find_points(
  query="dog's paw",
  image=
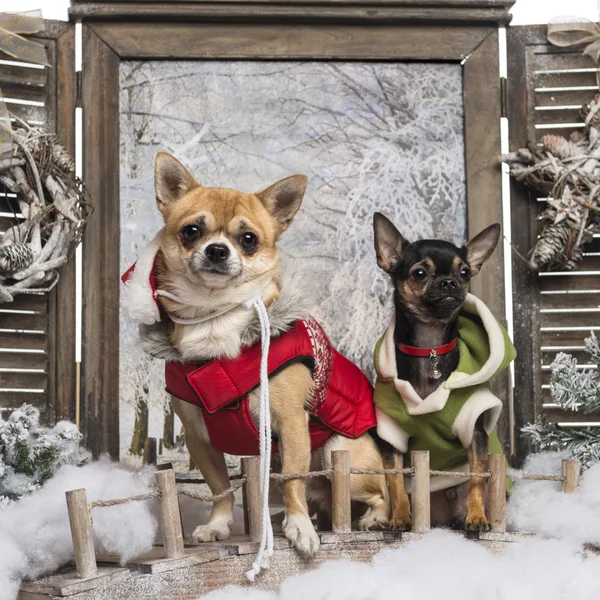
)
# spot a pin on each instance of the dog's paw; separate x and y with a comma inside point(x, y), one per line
point(400, 523)
point(477, 522)
point(373, 522)
point(299, 530)
point(215, 530)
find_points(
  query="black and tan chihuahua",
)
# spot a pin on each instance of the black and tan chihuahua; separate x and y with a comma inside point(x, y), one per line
point(433, 366)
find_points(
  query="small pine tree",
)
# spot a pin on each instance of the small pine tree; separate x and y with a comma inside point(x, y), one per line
point(577, 391)
point(30, 454)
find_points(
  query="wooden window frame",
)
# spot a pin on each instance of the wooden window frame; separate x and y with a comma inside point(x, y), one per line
point(458, 31)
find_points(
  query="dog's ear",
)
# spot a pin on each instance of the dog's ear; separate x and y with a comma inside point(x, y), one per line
point(388, 242)
point(283, 199)
point(481, 247)
point(171, 181)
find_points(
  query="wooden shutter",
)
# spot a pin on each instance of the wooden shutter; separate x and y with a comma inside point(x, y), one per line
point(37, 331)
point(553, 311)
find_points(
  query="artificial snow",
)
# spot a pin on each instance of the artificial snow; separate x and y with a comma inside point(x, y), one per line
point(35, 537)
point(541, 506)
point(443, 565)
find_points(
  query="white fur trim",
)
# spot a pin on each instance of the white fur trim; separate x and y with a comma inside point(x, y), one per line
point(418, 406)
point(440, 482)
point(389, 431)
point(475, 306)
point(137, 296)
point(481, 402)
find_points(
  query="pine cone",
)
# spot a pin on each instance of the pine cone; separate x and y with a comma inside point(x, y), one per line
point(15, 257)
point(560, 146)
point(61, 158)
point(551, 245)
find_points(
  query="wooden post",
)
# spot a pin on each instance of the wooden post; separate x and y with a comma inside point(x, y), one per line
point(149, 457)
point(81, 532)
point(421, 500)
point(340, 492)
point(497, 492)
point(170, 518)
point(251, 467)
point(571, 471)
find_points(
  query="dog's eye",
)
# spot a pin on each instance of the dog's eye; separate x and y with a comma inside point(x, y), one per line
point(248, 241)
point(465, 273)
point(419, 274)
point(190, 233)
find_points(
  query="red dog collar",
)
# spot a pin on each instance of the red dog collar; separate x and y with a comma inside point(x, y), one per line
point(435, 351)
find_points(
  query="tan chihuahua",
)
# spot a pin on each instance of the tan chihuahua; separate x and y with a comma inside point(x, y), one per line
point(219, 248)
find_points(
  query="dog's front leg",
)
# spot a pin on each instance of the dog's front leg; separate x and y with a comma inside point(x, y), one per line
point(213, 467)
point(401, 519)
point(478, 462)
point(289, 391)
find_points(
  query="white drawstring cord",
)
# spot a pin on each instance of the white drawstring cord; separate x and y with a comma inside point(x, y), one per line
point(265, 550)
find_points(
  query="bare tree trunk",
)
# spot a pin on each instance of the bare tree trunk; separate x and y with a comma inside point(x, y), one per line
point(140, 428)
point(168, 428)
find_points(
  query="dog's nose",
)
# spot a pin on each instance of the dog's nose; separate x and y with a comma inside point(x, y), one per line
point(447, 284)
point(217, 253)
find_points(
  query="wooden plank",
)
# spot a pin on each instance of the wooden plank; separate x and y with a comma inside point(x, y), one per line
point(484, 181)
point(570, 78)
point(573, 281)
point(22, 91)
point(551, 58)
point(67, 584)
point(525, 282)
point(570, 318)
point(567, 338)
point(245, 41)
point(10, 360)
point(35, 302)
point(557, 116)
point(17, 341)
point(191, 558)
point(447, 3)
point(558, 415)
point(100, 287)
point(35, 322)
point(22, 75)
point(565, 96)
point(583, 299)
point(202, 12)
point(17, 381)
point(62, 300)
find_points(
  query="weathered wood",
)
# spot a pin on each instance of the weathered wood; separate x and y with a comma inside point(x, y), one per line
point(497, 493)
point(150, 454)
point(62, 300)
point(448, 3)
point(81, 532)
point(420, 492)
point(67, 584)
point(341, 517)
point(251, 468)
point(100, 286)
point(482, 102)
point(525, 283)
point(571, 471)
point(287, 12)
point(261, 41)
point(170, 518)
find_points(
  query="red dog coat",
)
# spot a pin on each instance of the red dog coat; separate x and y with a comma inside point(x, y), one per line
point(342, 397)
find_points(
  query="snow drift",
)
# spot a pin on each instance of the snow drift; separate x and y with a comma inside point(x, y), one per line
point(34, 532)
point(35, 539)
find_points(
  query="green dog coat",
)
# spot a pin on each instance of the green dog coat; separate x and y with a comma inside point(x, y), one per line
point(444, 421)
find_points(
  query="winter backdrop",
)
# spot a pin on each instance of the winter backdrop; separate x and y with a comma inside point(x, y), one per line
point(369, 136)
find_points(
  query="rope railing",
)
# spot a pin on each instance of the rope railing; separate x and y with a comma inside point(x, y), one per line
point(340, 474)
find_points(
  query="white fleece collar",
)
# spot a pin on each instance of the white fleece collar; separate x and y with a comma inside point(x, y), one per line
point(438, 398)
